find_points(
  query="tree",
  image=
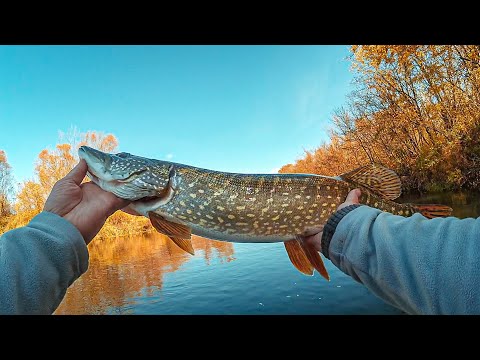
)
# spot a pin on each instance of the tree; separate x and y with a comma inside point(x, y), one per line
point(415, 109)
point(334, 158)
point(51, 166)
point(6, 186)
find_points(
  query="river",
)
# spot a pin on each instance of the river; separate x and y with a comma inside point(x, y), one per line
point(150, 275)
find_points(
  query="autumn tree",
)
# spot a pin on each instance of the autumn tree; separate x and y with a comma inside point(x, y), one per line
point(52, 165)
point(334, 158)
point(416, 109)
point(6, 186)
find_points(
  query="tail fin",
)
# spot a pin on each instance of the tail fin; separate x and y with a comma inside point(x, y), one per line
point(432, 210)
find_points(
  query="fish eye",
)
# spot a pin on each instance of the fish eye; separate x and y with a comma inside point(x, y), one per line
point(123, 155)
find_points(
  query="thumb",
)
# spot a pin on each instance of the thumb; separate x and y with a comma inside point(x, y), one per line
point(77, 174)
point(353, 196)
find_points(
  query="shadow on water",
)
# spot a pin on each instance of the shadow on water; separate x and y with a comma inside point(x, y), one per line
point(151, 275)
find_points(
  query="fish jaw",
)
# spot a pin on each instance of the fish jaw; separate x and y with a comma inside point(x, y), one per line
point(97, 162)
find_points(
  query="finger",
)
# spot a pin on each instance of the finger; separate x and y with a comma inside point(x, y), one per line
point(104, 199)
point(353, 196)
point(77, 174)
point(315, 240)
point(313, 230)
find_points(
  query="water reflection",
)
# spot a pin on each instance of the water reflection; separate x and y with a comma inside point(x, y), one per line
point(151, 275)
point(464, 204)
point(121, 269)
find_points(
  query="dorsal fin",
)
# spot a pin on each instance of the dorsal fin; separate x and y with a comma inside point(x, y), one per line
point(377, 178)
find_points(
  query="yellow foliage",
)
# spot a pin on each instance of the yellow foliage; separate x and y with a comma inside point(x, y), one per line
point(416, 110)
point(51, 166)
point(6, 188)
point(335, 158)
point(3, 157)
point(121, 224)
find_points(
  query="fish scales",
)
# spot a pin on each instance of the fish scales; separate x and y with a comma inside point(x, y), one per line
point(262, 205)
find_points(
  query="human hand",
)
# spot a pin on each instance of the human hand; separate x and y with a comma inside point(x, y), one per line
point(129, 210)
point(85, 205)
point(352, 198)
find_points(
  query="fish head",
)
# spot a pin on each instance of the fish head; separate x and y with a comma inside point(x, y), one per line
point(125, 175)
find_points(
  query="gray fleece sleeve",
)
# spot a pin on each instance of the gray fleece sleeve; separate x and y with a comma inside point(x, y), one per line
point(418, 265)
point(38, 262)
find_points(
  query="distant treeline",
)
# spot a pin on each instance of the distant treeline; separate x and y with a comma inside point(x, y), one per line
point(415, 109)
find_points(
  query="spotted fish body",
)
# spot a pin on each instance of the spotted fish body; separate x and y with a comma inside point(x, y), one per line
point(261, 208)
point(181, 200)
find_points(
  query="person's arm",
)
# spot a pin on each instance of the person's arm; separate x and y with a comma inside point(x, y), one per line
point(38, 262)
point(420, 265)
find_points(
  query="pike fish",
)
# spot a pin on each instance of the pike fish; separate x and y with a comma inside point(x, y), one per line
point(181, 200)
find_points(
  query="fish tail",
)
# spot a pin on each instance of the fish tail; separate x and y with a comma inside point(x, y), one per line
point(432, 210)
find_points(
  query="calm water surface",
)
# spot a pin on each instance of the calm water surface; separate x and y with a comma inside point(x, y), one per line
point(150, 275)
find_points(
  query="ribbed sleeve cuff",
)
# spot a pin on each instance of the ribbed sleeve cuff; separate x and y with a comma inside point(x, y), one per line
point(331, 225)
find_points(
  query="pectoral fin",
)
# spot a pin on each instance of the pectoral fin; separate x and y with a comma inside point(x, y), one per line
point(168, 227)
point(178, 233)
point(184, 244)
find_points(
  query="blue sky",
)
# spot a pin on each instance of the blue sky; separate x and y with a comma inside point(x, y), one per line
point(230, 108)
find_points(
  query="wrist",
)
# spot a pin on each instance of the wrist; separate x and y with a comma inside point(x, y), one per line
point(73, 219)
point(331, 226)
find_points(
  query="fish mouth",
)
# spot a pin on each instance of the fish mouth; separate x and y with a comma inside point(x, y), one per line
point(96, 161)
point(98, 166)
point(98, 171)
point(89, 153)
point(93, 177)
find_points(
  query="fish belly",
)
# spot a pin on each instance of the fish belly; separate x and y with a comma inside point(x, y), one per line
point(237, 236)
